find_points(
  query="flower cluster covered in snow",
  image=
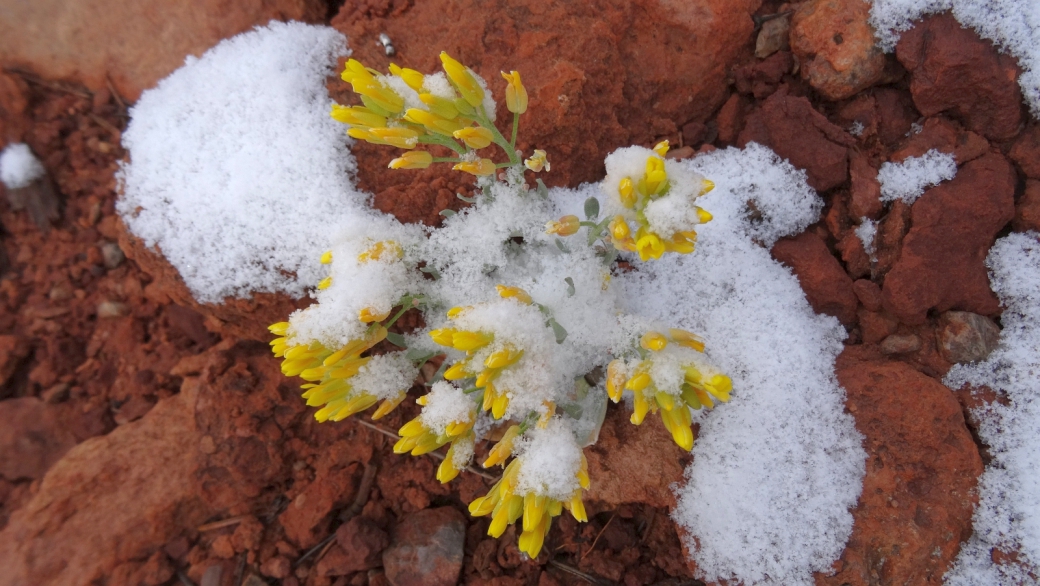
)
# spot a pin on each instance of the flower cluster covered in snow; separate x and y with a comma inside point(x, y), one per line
point(19, 167)
point(537, 326)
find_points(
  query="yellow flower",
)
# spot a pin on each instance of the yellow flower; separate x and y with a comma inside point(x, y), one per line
point(654, 181)
point(357, 116)
point(661, 148)
point(480, 167)
point(326, 257)
point(447, 471)
point(648, 245)
point(537, 161)
point(387, 249)
point(516, 93)
point(412, 160)
point(464, 80)
point(504, 448)
point(432, 122)
point(566, 226)
point(627, 192)
point(402, 138)
point(442, 107)
point(369, 315)
point(419, 439)
point(475, 137)
point(373, 93)
point(688, 339)
point(517, 293)
point(413, 78)
point(653, 341)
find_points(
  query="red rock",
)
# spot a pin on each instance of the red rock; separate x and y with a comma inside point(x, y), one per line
point(868, 293)
point(620, 73)
point(791, 127)
point(896, 114)
point(889, 239)
point(1027, 212)
point(135, 44)
point(359, 547)
point(763, 77)
point(857, 263)
point(966, 337)
point(111, 499)
point(900, 344)
point(13, 350)
point(876, 325)
point(1026, 152)
point(730, 119)
point(827, 288)
point(953, 70)
point(634, 464)
point(865, 194)
point(836, 48)
point(921, 473)
point(836, 216)
point(773, 36)
point(277, 567)
point(941, 134)
point(306, 519)
point(861, 112)
point(426, 548)
point(941, 265)
point(32, 438)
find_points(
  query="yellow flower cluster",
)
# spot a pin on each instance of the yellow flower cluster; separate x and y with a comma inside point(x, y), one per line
point(506, 506)
point(418, 438)
point(635, 194)
point(697, 389)
point(459, 122)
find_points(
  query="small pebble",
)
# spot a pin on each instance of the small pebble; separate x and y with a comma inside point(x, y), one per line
point(107, 309)
point(112, 255)
point(900, 344)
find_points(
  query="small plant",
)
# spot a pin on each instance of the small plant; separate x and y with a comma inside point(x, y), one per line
point(522, 313)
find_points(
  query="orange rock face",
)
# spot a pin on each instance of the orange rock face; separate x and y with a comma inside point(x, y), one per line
point(922, 468)
point(835, 44)
point(134, 43)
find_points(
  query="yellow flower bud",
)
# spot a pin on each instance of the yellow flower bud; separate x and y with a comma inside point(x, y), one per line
point(661, 148)
point(703, 215)
point(357, 116)
point(479, 168)
point(402, 138)
point(707, 186)
point(504, 448)
point(566, 226)
point(432, 122)
point(627, 192)
point(369, 315)
point(377, 251)
point(464, 80)
point(653, 341)
point(505, 292)
point(688, 339)
point(413, 78)
point(619, 228)
point(537, 161)
point(442, 107)
point(412, 160)
point(325, 283)
point(516, 93)
point(649, 245)
point(326, 257)
point(475, 137)
point(380, 95)
point(354, 69)
point(654, 181)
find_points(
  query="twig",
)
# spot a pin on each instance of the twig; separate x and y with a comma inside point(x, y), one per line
point(364, 488)
point(29, 77)
point(116, 133)
point(649, 526)
point(241, 569)
point(116, 96)
point(221, 524)
point(437, 455)
point(576, 572)
point(598, 535)
point(315, 549)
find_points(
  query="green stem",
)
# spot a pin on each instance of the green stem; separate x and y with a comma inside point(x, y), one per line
point(516, 126)
point(497, 137)
point(443, 141)
point(446, 160)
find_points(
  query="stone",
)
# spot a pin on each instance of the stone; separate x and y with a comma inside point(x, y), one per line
point(797, 132)
point(942, 262)
point(112, 255)
point(634, 464)
point(953, 70)
point(922, 470)
point(730, 119)
point(306, 518)
point(112, 309)
point(110, 499)
point(966, 337)
point(875, 326)
point(32, 438)
point(888, 241)
point(835, 45)
point(827, 287)
point(1027, 212)
point(868, 293)
point(135, 44)
point(426, 548)
point(1026, 152)
point(865, 192)
point(773, 36)
point(620, 73)
point(857, 262)
point(359, 547)
point(13, 351)
point(940, 134)
point(763, 78)
point(896, 114)
point(900, 344)
point(277, 567)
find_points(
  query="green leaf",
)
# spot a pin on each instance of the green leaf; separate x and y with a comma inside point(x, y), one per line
point(570, 286)
point(572, 410)
point(447, 213)
point(418, 356)
point(581, 387)
point(562, 246)
point(396, 340)
point(558, 330)
point(591, 208)
point(432, 272)
point(439, 375)
point(543, 191)
point(466, 199)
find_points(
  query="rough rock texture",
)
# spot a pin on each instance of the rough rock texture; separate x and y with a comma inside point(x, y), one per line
point(922, 469)
point(953, 70)
point(762, 78)
point(865, 194)
point(791, 127)
point(13, 350)
point(942, 264)
point(868, 293)
point(876, 325)
point(939, 133)
point(1027, 212)
point(359, 547)
point(426, 549)
point(1026, 152)
point(966, 337)
point(110, 499)
point(835, 45)
point(135, 44)
point(773, 36)
point(599, 75)
point(827, 288)
point(32, 438)
point(730, 119)
point(240, 318)
point(900, 344)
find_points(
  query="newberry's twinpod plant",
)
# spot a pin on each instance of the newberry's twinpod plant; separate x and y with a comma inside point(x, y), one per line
point(516, 295)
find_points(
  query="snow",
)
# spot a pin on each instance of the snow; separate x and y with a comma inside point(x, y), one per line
point(776, 470)
point(867, 232)
point(1008, 515)
point(19, 167)
point(237, 173)
point(907, 180)
point(1013, 25)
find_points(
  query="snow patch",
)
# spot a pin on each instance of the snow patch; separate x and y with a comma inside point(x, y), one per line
point(19, 167)
point(908, 180)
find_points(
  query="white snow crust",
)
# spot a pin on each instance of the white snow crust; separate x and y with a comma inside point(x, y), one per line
point(1008, 515)
point(19, 167)
point(908, 180)
point(237, 173)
